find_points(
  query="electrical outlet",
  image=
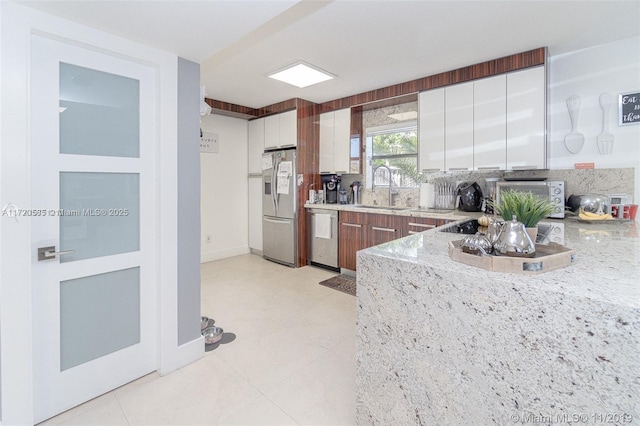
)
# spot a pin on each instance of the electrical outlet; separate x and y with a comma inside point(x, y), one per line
point(208, 239)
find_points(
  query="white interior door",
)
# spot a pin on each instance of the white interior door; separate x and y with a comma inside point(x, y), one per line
point(93, 192)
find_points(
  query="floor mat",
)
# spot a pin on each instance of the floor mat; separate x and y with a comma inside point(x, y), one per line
point(343, 283)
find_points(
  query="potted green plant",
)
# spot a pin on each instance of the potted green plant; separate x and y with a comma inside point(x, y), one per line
point(527, 208)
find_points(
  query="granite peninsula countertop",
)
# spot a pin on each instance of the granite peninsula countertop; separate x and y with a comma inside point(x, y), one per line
point(607, 266)
point(441, 342)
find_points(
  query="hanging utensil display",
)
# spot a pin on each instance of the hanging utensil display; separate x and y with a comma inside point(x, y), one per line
point(605, 139)
point(574, 140)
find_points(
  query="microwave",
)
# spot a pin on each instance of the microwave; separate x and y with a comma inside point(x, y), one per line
point(550, 189)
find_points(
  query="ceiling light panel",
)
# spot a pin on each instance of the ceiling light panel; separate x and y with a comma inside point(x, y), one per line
point(302, 75)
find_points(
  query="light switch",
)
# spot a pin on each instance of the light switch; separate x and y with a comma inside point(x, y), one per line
point(210, 142)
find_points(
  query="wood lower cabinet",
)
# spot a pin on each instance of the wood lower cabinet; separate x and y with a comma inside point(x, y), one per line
point(415, 225)
point(382, 228)
point(358, 231)
point(350, 238)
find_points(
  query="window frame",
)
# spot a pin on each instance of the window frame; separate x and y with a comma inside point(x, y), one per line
point(398, 127)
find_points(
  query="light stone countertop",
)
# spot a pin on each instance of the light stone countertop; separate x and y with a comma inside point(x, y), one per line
point(441, 342)
point(608, 253)
point(396, 211)
point(607, 266)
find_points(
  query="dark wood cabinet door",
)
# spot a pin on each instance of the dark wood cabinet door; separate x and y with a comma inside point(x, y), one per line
point(382, 229)
point(414, 225)
point(350, 240)
point(362, 230)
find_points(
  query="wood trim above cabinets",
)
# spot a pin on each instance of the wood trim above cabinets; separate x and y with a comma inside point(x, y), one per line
point(509, 63)
point(502, 65)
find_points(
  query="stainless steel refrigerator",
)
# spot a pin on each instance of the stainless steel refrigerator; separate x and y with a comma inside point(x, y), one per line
point(279, 199)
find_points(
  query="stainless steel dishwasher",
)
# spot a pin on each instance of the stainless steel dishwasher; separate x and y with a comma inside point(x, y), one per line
point(323, 235)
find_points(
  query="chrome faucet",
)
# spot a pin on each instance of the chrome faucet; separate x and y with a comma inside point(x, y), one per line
point(373, 183)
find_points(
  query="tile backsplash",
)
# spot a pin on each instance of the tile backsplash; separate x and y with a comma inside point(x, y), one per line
point(601, 181)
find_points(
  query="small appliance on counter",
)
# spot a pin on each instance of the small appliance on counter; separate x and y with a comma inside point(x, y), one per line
point(355, 192)
point(469, 197)
point(552, 190)
point(342, 196)
point(490, 194)
point(331, 186)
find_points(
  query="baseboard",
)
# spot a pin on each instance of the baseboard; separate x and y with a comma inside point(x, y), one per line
point(182, 356)
point(223, 254)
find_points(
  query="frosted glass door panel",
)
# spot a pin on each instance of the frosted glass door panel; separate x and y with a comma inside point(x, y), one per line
point(100, 214)
point(99, 113)
point(99, 314)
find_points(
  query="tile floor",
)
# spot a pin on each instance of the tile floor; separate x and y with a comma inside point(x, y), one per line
point(292, 362)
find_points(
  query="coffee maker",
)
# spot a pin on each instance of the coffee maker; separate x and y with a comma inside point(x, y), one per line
point(331, 186)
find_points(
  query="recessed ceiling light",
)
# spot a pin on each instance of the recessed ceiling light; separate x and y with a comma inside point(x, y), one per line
point(301, 75)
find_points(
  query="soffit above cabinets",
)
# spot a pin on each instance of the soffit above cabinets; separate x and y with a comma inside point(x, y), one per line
point(239, 43)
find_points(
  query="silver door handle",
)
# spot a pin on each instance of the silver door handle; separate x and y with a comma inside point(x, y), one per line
point(376, 228)
point(47, 253)
point(523, 167)
point(277, 220)
point(421, 225)
point(353, 225)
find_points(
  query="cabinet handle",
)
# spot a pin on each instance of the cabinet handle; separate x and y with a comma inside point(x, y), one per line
point(430, 170)
point(421, 225)
point(523, 167)
point(353, 225)
point(489, 168)
point(341, 172)
point(325, 173)
point(458, 168)
point(375, 228)
point(413, 232)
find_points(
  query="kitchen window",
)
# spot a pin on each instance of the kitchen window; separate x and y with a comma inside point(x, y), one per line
point(396, 147)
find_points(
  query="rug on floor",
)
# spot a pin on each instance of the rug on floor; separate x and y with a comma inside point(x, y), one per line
point(342, 282)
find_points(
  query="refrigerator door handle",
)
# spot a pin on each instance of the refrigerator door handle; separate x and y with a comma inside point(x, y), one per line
point(268, 219)
point(274, 191)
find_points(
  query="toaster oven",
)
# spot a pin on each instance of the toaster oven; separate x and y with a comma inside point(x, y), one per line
point(553, 190)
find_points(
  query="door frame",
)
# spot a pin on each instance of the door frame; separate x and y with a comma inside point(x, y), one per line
point(17, 24)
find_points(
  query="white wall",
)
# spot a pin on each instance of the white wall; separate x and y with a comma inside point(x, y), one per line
point(18, 23)
point(224, 206)
point(612, 67)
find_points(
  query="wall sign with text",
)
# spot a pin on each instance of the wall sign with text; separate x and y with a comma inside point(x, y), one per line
point(210, 142)
point(629, 106)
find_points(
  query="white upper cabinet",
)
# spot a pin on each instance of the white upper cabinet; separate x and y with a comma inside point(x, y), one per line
point(335, 136)
point(490, 123)
point(272, 131)
point(281, 130)
point(526, 144)
point(289, 128)
point(256, 145)
point(495, 123)
point(431, 130)
point(342, 140)
point(459, 127)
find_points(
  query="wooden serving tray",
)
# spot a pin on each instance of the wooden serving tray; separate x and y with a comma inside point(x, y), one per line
point(547, 258)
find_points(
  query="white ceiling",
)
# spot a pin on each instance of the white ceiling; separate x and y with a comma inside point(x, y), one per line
point(367, 44)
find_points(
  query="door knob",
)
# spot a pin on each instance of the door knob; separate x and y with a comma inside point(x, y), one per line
point(47, 253)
